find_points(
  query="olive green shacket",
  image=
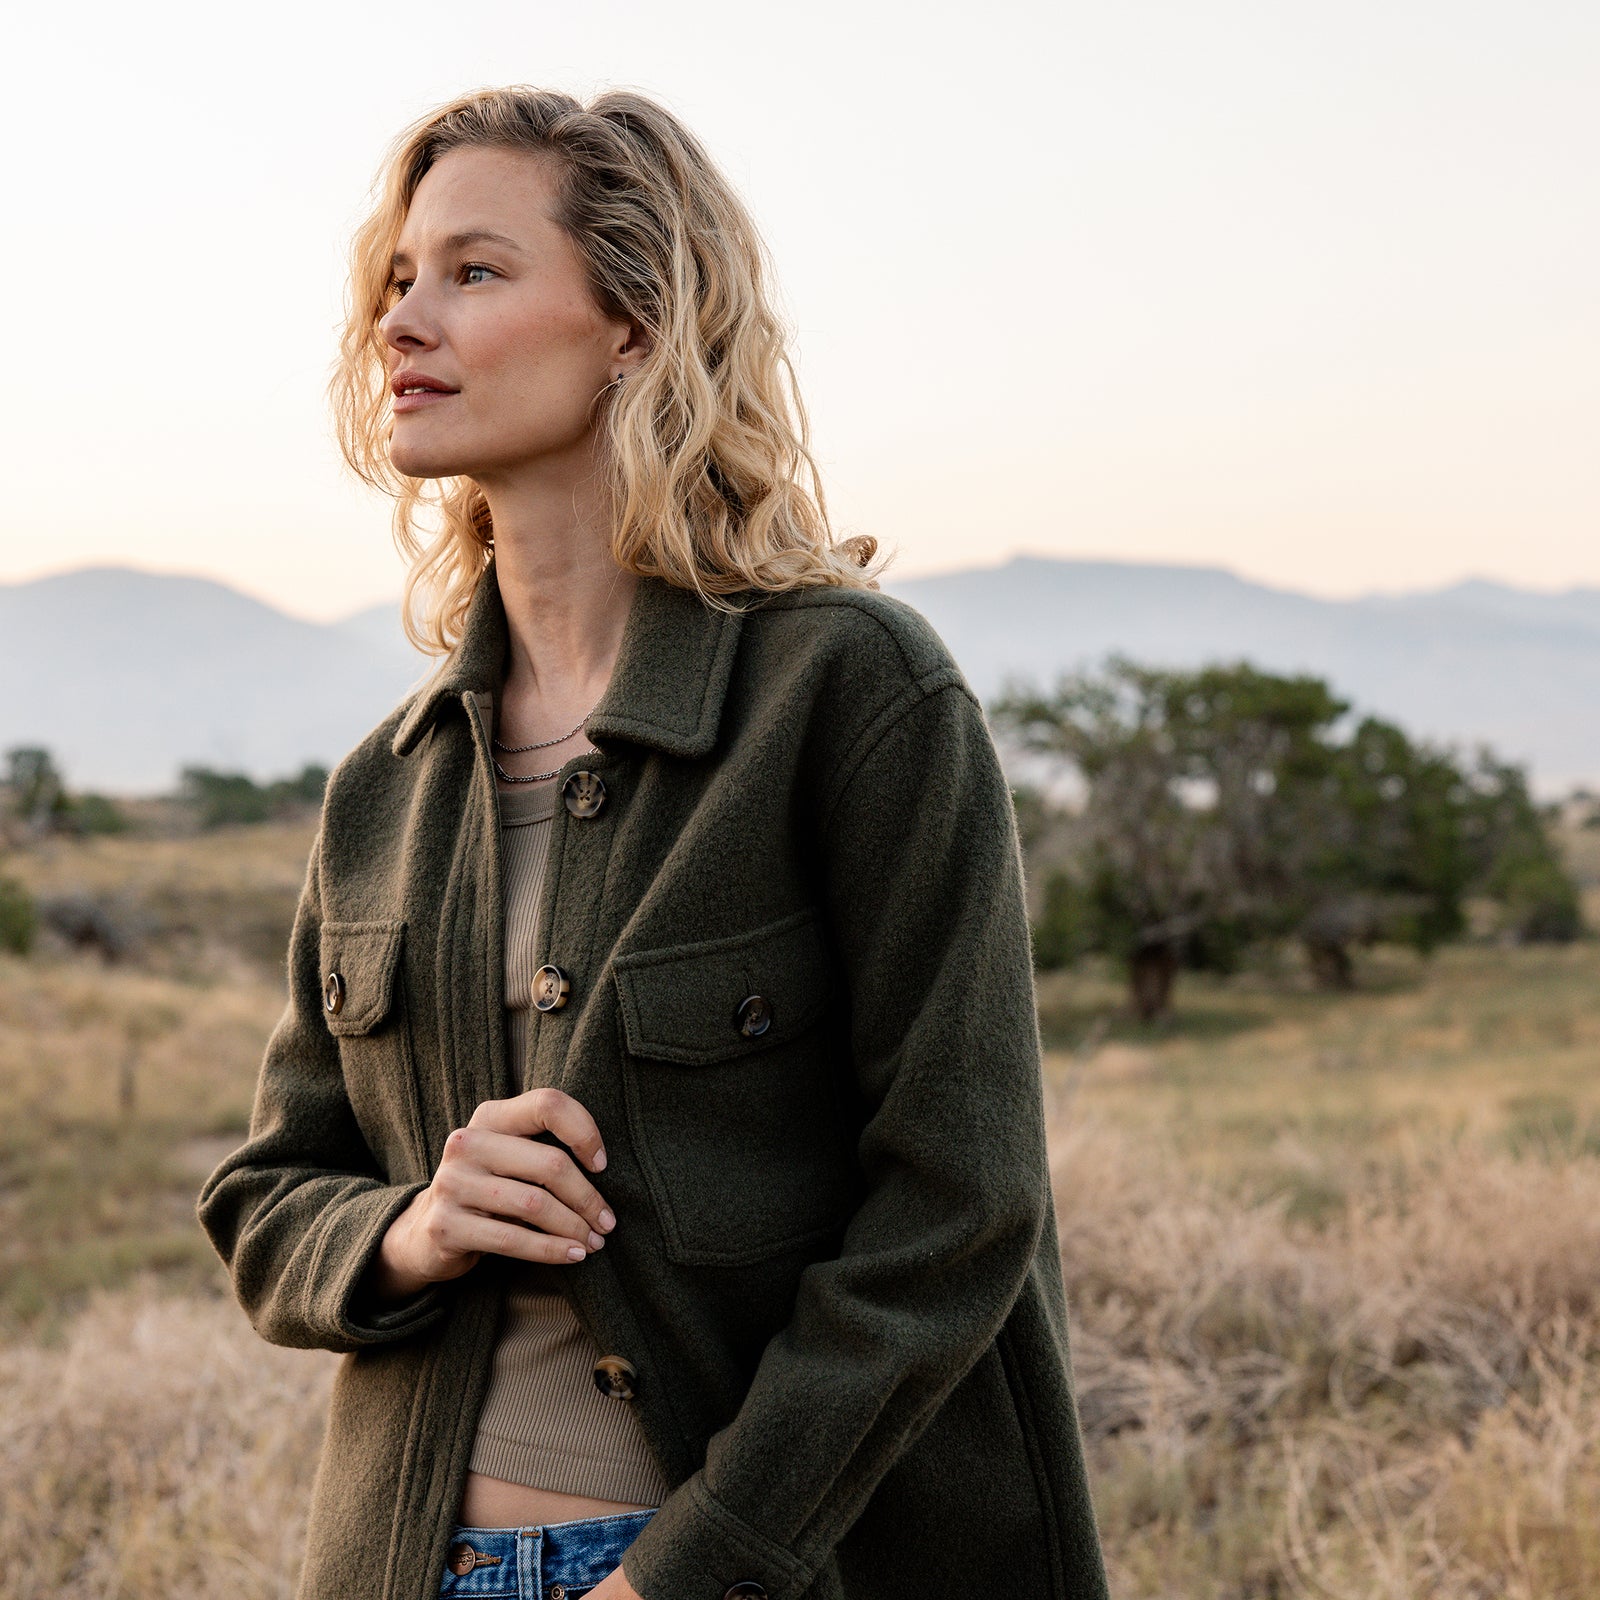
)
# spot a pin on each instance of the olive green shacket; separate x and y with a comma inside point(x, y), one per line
point(835, 1275)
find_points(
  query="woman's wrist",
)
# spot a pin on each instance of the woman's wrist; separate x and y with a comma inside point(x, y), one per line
point(391, 1277)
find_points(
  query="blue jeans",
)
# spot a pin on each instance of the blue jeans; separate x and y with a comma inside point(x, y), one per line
point(548, 1561)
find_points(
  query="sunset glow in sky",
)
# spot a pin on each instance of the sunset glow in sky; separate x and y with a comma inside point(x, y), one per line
point(1308, 291)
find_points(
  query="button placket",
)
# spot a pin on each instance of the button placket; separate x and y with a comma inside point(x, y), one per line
point(585, 797)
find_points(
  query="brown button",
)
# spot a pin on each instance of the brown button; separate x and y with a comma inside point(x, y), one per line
point(584, 793)
point(558, 1591)
point(747, 1589)
point(550, 988)
point(463, 1558)
point(333, 993)
point(615, 1377)
point(754, 1015)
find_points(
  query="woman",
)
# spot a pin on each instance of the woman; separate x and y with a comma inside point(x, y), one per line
point(656, 1119)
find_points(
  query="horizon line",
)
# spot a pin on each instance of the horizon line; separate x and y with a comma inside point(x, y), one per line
point(890, 578)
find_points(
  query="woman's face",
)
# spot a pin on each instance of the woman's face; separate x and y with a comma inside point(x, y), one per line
point(493, 305)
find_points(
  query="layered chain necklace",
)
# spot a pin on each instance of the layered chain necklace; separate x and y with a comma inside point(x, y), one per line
point(518, 749)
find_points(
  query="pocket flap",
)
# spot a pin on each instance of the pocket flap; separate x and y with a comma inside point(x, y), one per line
point(683, 1003)
point(359, 962)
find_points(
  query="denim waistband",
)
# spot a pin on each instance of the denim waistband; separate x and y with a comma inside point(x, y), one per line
point(545, 1561)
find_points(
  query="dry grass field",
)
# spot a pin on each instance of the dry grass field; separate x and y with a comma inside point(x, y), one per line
point(121, 1085)
point(1334, 1262)
point(1335, 1276)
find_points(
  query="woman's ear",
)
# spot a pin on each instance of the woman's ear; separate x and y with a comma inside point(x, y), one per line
point(634, 348)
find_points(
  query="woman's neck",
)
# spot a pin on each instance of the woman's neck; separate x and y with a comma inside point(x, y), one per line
point(565, 602)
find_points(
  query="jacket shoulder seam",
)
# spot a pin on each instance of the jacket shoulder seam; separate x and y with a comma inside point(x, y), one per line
point(796, 600)
point(940, 680)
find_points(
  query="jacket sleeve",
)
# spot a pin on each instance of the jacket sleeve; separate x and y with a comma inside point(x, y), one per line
point(924, 883)
point(298, 1211)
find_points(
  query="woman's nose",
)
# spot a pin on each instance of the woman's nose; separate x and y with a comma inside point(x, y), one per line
point(406, 323)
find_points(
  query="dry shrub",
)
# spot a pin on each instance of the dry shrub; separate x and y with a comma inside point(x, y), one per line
point(1403, 1402)
point(164, 1450)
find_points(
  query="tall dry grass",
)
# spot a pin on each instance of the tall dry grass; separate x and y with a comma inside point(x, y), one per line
point(161, 1450)
point(1401, 1402)
point(119, 1090)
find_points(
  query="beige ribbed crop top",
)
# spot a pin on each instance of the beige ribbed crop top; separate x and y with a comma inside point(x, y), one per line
point(545, 1423)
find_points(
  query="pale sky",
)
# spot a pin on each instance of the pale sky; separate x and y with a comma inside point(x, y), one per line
point(1311, 291)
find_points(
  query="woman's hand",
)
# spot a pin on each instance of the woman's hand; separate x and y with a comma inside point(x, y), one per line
point(499, 1191)
point(614, 1586)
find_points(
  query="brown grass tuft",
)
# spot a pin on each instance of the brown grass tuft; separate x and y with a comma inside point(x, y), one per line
point(163, 1450)
point(1403, 1401)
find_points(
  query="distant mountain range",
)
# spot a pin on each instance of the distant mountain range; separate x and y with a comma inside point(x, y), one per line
point(128, 676)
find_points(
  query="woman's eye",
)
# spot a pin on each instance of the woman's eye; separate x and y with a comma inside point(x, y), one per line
point(397, 287)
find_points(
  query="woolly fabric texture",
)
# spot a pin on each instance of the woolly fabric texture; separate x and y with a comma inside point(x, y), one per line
point(835, 1274)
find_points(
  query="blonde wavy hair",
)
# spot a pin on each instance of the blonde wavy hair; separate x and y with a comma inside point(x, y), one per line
point(704, 446)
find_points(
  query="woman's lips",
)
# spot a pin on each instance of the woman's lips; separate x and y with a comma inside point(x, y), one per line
point(415, 402)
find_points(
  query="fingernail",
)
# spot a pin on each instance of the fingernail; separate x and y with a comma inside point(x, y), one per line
point(576, 1253)
point(595, 1241)
point(600, 1161)
point(607, 1221)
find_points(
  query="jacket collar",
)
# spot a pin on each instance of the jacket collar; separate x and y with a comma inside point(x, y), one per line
point(666, 688)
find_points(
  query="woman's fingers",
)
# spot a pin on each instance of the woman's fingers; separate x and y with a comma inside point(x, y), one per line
point(527, 1203)
point(455, 1233)
point(553, 1169)
point(530, 1161)
point(541, 1110)
point(500, 1190)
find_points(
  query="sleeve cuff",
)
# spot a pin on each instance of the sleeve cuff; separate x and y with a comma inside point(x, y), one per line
point(694, 1548)
point(356, 1318)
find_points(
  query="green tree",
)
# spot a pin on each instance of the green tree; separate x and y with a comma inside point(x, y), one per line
point(97, 813)
point(1513, 859)
point(38, 793)
point(1223, 807)
point(225, 799)
point(221, 799)
point(1384, 851)
point(1068, 926)
point(304, 789)
point(1187, 845)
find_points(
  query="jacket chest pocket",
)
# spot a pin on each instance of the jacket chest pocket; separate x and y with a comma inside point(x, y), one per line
point(730, 1078)
point(363, 1004)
